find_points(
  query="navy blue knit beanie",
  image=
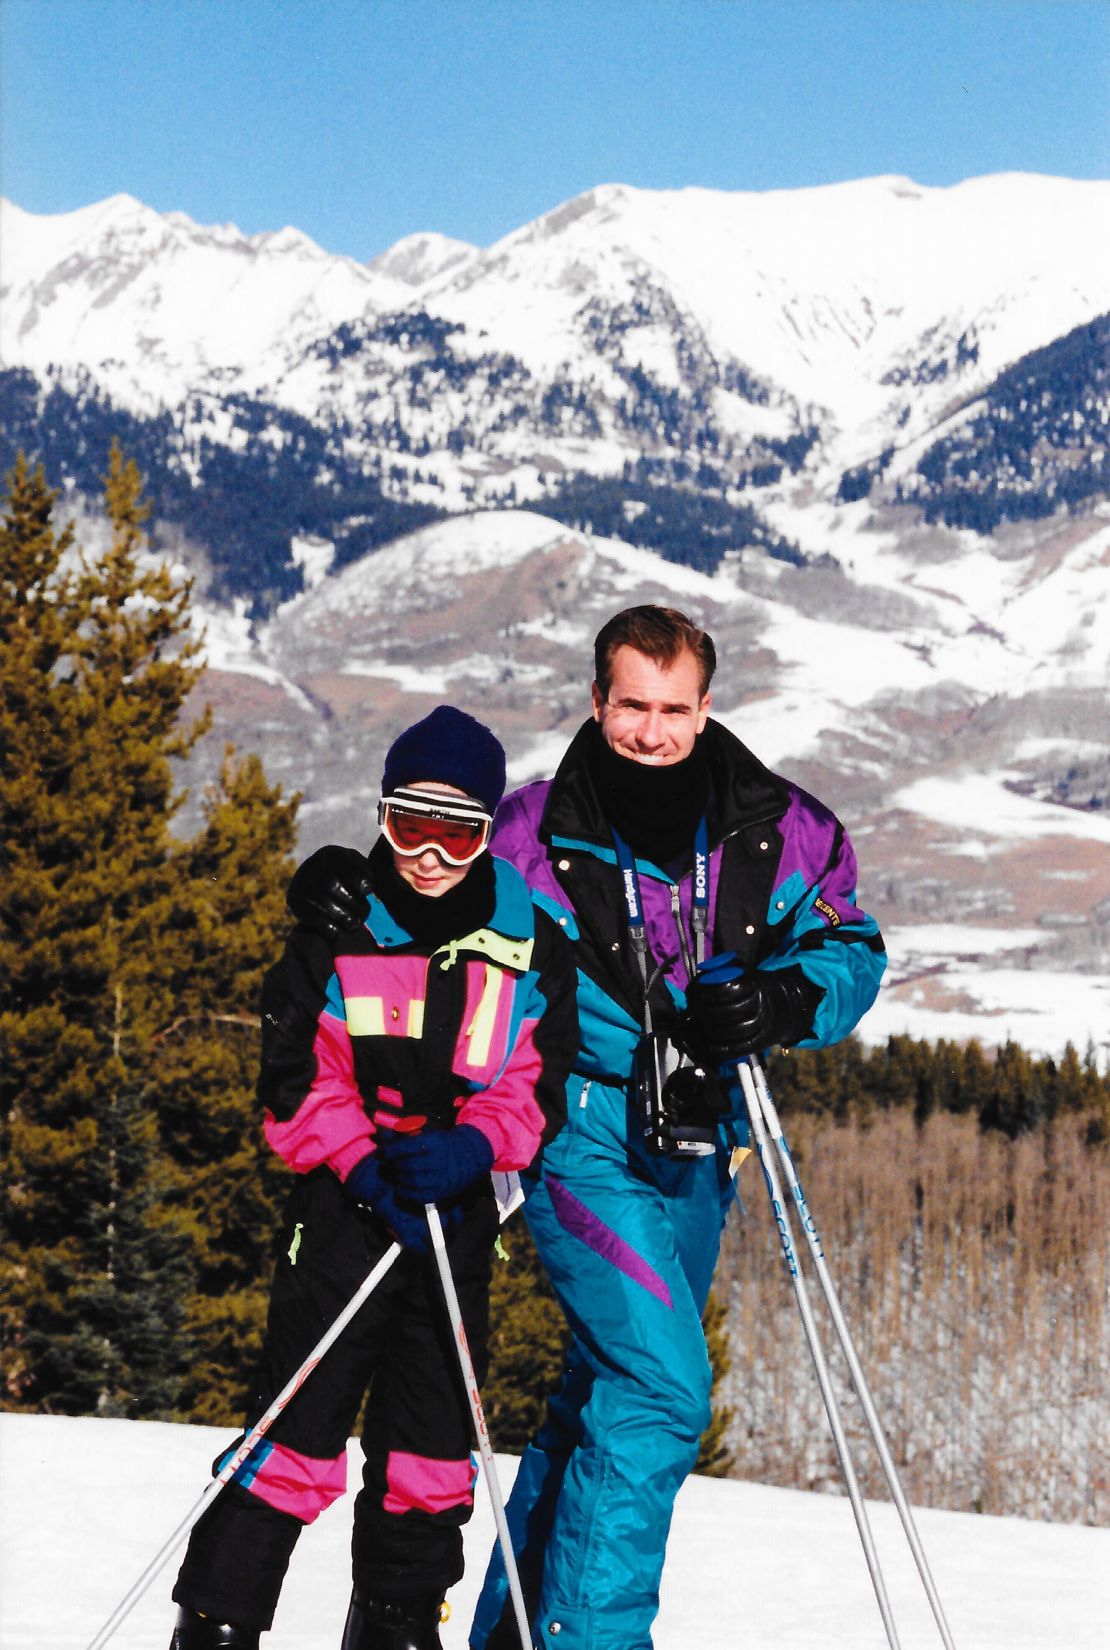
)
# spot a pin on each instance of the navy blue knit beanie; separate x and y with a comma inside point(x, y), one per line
point(452, 747)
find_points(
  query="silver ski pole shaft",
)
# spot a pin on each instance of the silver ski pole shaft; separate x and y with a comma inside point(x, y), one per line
point(481, 1431)
point(859, 1380)
point(832, 1408)
point(257, 1432)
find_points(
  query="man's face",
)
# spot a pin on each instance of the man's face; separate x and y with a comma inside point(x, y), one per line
point(652, 713)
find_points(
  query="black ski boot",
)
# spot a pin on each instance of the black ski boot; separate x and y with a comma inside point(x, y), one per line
point(197, 1632)
point(392, 1624)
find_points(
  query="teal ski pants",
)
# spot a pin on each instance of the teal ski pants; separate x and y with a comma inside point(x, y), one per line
point(630, 1243)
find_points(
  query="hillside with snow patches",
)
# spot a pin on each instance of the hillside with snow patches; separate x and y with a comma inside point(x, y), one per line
point(942, 736)
point(860, 430)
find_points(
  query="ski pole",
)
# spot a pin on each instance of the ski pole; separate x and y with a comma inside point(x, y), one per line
point(257, 1432)
point(859, 1380)
point(481, 1431)
point(832, 1408)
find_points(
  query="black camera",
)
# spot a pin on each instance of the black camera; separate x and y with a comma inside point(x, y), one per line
point(679, 1104)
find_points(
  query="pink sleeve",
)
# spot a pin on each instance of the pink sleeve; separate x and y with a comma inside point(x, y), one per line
point(330, 1125)
point(508, 1113)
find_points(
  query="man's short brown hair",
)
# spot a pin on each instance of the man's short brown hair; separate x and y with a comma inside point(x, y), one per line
point(661, 634)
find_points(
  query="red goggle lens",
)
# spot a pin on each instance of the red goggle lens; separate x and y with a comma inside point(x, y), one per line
point(458, 840)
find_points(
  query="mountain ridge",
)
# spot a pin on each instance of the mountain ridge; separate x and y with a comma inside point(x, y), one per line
point(738, 225)
point(627, 339)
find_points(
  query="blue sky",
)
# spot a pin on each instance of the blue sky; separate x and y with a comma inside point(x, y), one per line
point(360, 121)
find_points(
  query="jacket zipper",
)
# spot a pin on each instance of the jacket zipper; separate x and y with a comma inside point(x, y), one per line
point(683, 942)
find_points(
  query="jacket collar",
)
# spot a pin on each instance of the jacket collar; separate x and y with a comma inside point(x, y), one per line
point(512, 919)
point(742, 792)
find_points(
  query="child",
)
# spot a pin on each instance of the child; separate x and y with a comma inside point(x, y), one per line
point(401, 1063)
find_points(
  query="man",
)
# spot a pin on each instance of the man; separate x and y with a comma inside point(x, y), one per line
point(660, 842)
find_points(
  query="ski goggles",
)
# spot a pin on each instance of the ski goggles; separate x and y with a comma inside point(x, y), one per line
point(413, 821)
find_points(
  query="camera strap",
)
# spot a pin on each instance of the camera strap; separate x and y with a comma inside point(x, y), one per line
point(634, 905)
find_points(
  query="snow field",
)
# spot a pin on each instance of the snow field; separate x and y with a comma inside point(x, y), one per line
point(86, 1504)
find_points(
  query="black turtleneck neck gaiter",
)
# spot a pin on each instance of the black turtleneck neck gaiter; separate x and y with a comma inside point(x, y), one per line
point(656, 809)
point(434, 920)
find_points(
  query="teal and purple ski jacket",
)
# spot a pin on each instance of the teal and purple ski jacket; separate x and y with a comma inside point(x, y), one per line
point(782, 892)
point(629, 1238)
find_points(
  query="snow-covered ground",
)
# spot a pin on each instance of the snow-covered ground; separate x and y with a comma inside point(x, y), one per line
point(86, 1504)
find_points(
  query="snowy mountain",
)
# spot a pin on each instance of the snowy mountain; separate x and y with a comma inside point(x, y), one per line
point(719, 352)
point(418, 259)
point(746, 1564)
point(861, 430)
point(839, 296)
point(155, 306)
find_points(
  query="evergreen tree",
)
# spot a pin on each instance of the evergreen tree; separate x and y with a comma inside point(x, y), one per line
point(715, 1459)
point(81, 772)
point(1017, 1099)
point(228, 1185)
point(975, 1080)
point(528, 1340)
point(40, 1045)
point(102, 943)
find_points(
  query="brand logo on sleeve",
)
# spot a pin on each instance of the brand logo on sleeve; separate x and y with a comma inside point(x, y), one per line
point(826, 911)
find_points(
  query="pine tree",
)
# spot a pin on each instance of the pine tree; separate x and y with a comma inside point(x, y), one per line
point(135, 666)
point(1017, 1100)
point(528, 1340)
point(40, 1045)
point(77, 1145)
point(715, 1459)
point(975, 1080)
point(227, 1183)
point(102, 940)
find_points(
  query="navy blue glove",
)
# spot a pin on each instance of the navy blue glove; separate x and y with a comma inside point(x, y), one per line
point(437, 1164)
point(328, 891)
point(730, 1013)
point(367, 1185)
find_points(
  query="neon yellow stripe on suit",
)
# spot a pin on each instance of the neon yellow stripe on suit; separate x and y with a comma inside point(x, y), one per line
point(365, 1016)
point(481, 1028)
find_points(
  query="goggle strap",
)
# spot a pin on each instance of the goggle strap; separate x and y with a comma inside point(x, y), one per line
point(467, 810)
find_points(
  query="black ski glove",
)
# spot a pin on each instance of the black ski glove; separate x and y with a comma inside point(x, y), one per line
point(730, 1013)
point(328, 891)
